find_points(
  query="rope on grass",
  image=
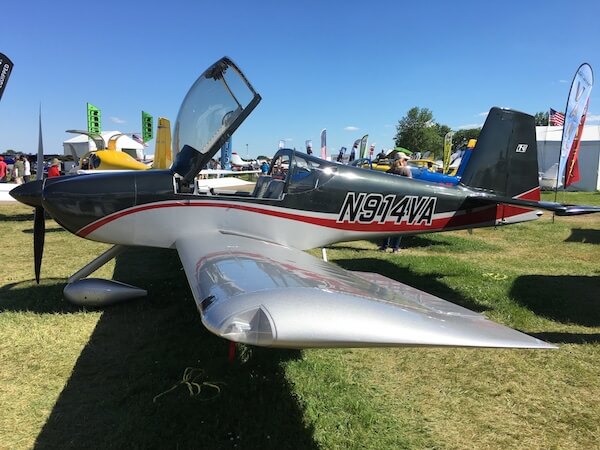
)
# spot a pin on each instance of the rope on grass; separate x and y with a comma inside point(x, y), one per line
point(191, 380)
point(495, 276)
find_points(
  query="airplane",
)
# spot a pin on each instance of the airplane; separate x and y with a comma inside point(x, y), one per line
point(106, 157)
point(243, 164)
point(243, 252)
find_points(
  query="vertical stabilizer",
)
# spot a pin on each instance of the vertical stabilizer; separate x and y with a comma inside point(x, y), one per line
point(162, 152)
point(504, 161)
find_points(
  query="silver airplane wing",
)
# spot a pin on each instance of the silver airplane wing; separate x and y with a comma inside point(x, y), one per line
point(265, 294)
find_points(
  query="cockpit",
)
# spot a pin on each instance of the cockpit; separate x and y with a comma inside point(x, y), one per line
point(292, 172)
point(215, 106)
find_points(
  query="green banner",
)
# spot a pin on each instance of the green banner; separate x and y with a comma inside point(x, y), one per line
point(94, 119)
point(147, 127)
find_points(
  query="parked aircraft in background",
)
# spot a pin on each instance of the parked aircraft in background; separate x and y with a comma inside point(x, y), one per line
point(106, 157)
point(243, 251)
point(237, 163)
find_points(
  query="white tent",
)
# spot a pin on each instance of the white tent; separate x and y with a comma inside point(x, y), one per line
point(548, 143)
point(81, 144)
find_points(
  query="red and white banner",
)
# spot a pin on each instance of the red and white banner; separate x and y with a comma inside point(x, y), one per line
point(572, 173)
point(323, 143)
point(576, 107)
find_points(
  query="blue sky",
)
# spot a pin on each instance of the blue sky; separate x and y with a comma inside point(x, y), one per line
point(351, 67)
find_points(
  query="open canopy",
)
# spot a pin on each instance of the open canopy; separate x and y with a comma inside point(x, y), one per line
point(216, 104)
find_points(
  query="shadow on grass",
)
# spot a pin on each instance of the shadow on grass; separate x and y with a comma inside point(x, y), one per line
point(584, 235)
point(16, 217)
point(566, 299)
point(427, 283)
point(568, 338)
point(407, 242)
point(47, 298)
point(48, 230)
point(141, 349)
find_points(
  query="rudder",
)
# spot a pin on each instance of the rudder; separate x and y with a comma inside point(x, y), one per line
point(504, 161)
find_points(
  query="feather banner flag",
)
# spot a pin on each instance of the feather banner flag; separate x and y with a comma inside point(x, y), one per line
point(6, 67)
point(323, 143)
point(354, 150)
point(363, 146)
point(447, 151)
point(576, 104)
point(308, 147)
point(572, 174)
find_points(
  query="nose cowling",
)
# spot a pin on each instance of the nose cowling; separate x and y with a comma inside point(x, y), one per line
point(80, 200)
point(29, 193)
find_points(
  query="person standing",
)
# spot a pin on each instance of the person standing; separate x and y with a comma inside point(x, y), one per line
point(27, 169)
point(399, 167)
point(3, 170)
point(18, 170)
point(54, 169)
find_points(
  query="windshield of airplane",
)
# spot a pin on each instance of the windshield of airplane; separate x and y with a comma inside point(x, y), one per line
point(216, 104)
point(305, 172)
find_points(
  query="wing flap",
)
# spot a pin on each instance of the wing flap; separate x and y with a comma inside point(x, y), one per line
point(265, 294)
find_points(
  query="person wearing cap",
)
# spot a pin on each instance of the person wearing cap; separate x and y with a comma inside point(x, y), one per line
point(54, 169)
point(399, 167)
point(3, 170)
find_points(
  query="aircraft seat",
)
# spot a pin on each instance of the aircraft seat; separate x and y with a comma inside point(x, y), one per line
point(275, 189)
point(261, 186)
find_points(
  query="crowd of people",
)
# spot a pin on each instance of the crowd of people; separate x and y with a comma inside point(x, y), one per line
point(19, 171)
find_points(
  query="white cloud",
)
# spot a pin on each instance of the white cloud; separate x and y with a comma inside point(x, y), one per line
point(351, 128)
point(562, 81)
point(288, 139)
point(483, 114)
point(117, 120)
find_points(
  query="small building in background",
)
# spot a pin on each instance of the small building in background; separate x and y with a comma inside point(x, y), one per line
point(82, 144)
point(548, 143)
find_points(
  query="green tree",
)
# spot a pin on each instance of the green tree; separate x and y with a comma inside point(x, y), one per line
point(418, 131)
point(462, 137)
point(541, 118)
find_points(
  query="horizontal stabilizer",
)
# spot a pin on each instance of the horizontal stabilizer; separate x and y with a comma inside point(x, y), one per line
point(558, 208)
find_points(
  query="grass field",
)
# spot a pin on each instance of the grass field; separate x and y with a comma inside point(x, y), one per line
point(117, 378)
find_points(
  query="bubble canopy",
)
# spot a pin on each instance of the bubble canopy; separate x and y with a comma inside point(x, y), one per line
point(214, 107)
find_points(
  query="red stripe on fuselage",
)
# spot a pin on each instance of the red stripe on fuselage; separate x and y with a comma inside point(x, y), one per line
point(482, 215)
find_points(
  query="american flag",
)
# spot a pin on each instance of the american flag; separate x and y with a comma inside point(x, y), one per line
point(557, 119)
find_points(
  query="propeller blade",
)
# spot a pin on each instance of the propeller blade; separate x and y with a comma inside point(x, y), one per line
point(39, 236)
point(40, 155)
point(39, 219)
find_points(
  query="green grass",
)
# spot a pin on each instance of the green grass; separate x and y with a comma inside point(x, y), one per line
point(76, 378)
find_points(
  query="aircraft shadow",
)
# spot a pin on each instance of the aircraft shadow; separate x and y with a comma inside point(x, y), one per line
point(16, 217)
point(566, 299)
point(46, 298)
point(118, 394)
point(427, 283)
point(47, 230)
point(407, 242)
point(584, 235)
point(568, 338)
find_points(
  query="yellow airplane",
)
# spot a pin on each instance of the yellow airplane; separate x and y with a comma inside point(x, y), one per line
point(106, 157)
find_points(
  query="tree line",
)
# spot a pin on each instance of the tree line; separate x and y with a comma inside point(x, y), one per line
point(419, 132)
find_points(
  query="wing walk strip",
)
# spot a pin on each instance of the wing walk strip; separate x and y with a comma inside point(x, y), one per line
point(440, 220)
